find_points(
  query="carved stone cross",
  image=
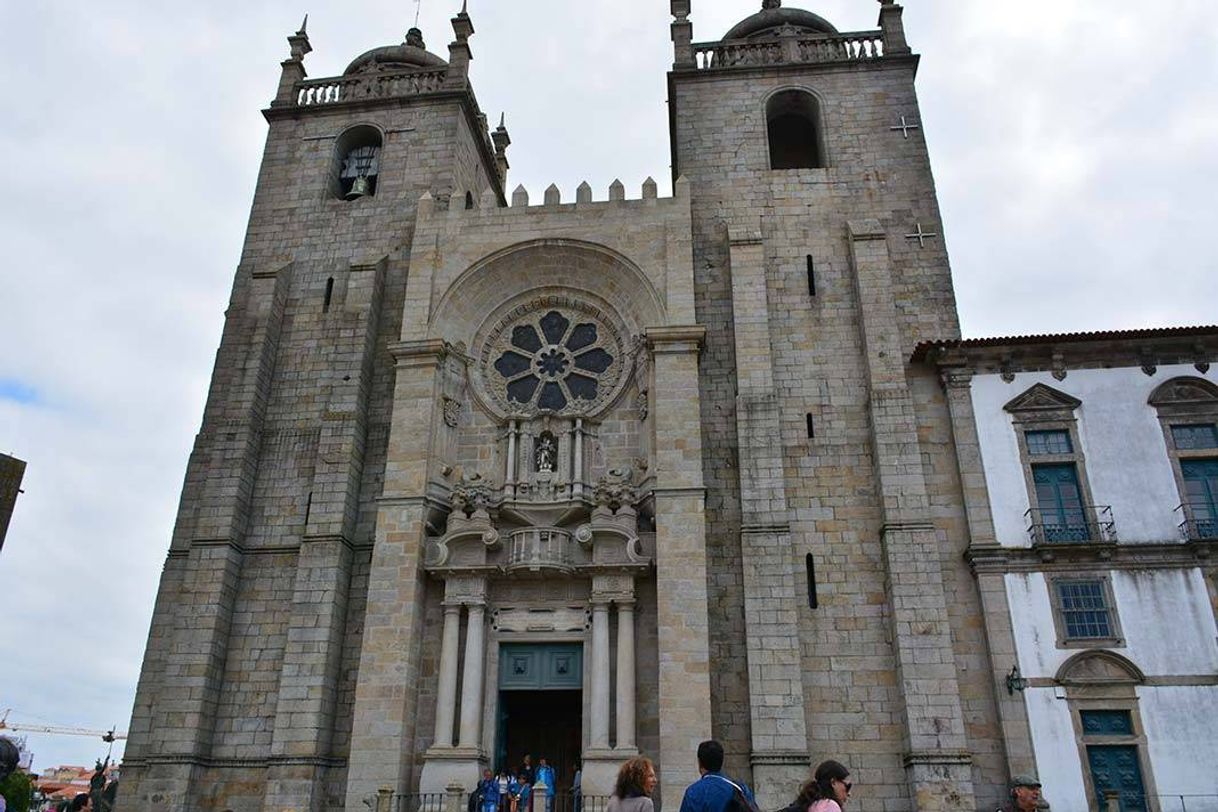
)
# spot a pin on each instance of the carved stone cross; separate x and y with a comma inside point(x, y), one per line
point(905, 127)
point(921, 236)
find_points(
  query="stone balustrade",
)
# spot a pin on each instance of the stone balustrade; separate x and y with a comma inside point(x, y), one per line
point(850, 47)
point(535, 548)
point(387, 85)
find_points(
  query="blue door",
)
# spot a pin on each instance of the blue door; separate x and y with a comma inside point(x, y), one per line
point(1115, 766)
point(1201, 493)
point(1060, 502)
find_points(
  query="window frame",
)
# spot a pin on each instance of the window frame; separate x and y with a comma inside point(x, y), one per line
point(1114, 689)
point(1064, 640)
point(1043, 408)
point(1174, 408)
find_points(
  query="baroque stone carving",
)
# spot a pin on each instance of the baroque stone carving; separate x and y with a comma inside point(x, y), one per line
point(616, 489)
point(452, 412)
point(473, 493)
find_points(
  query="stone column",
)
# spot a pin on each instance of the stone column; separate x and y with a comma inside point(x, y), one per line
point(443, 764)
point(577, 476)
point(471, 683)
point(446, 693)
point(600, 677)
point(625, 676)
point(509, 479)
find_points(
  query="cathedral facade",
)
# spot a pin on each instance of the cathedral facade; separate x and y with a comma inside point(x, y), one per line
point(482, 475)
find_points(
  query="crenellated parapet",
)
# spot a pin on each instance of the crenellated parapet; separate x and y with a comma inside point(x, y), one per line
point(552, 200)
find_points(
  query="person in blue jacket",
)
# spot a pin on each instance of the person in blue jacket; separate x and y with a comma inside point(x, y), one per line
point(545, 775)
point(488, 788)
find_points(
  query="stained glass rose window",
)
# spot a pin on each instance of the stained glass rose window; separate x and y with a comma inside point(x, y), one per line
point(555, 361)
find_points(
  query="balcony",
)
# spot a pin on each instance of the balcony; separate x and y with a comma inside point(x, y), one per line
point(1200, 521)
point(790, 49)
point(1087, 524)
point(538, 548)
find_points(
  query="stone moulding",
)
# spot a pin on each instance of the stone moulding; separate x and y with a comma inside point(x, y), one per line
point(1068, 557)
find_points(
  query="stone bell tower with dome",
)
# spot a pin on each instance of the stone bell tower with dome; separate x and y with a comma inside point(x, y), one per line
point(481, 475)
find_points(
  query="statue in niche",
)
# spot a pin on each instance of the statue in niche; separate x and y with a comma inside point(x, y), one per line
point(545, 455)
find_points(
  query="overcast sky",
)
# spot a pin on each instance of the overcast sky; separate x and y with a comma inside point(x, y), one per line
point(1073, 143)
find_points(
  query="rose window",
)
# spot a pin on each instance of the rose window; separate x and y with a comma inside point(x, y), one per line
point(554, 362)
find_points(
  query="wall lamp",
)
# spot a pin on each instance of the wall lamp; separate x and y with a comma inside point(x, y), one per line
point(1016, 681)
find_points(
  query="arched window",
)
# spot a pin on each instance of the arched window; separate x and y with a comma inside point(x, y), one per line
point(357, 163)
point(794, 128)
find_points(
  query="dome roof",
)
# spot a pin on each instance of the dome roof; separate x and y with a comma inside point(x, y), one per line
point(410, 54)
point(773, 16)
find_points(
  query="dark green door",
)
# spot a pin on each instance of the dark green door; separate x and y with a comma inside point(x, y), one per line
point(1201, 493)
point(1115, 766)
point(1060, 502)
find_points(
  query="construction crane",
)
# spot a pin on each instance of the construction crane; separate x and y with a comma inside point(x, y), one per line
point(108, 736)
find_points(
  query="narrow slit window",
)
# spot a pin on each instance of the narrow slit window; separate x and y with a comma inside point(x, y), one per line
point(811, 567)
point(811, 276)
point(325, 304)
point(308, 507)
point(469, 200)
point(811, 425)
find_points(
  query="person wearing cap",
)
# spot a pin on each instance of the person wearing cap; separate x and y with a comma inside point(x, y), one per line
point(1025, 794)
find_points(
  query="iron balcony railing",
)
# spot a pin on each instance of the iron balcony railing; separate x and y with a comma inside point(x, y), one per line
point(1199, 521)
point(1087, 524)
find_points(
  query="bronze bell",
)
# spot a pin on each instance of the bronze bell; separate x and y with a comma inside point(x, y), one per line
point(360, 188)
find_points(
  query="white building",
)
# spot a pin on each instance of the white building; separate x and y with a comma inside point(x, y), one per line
point(1094, 552)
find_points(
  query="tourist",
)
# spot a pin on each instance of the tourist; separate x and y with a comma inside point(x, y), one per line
point(1025, 794)
point(545, 775)
point(713, 791)
point(827, 791)
point(636, 780)
point(577, 788)
point(526, 772)
point(502, 780)
point(513, 793)
point(10, 755)
point(525, 803)
point(488, 789)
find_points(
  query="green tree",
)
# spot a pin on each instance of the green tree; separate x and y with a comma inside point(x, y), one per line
point(16, 790)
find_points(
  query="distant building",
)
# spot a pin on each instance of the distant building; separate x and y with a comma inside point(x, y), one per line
point(11, 472)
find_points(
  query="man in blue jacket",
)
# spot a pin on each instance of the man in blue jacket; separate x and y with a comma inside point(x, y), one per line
point(713, 791)
point(545, 775)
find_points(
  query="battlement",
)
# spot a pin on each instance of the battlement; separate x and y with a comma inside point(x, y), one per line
point(552, 200)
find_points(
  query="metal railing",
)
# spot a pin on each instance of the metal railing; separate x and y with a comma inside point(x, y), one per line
point(1085, 524)
point(851, 47)
point(1200, 521)
point(1168, 802)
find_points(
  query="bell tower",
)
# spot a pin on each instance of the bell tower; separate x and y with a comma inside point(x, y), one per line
point(819, 265)
point(249, 675)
